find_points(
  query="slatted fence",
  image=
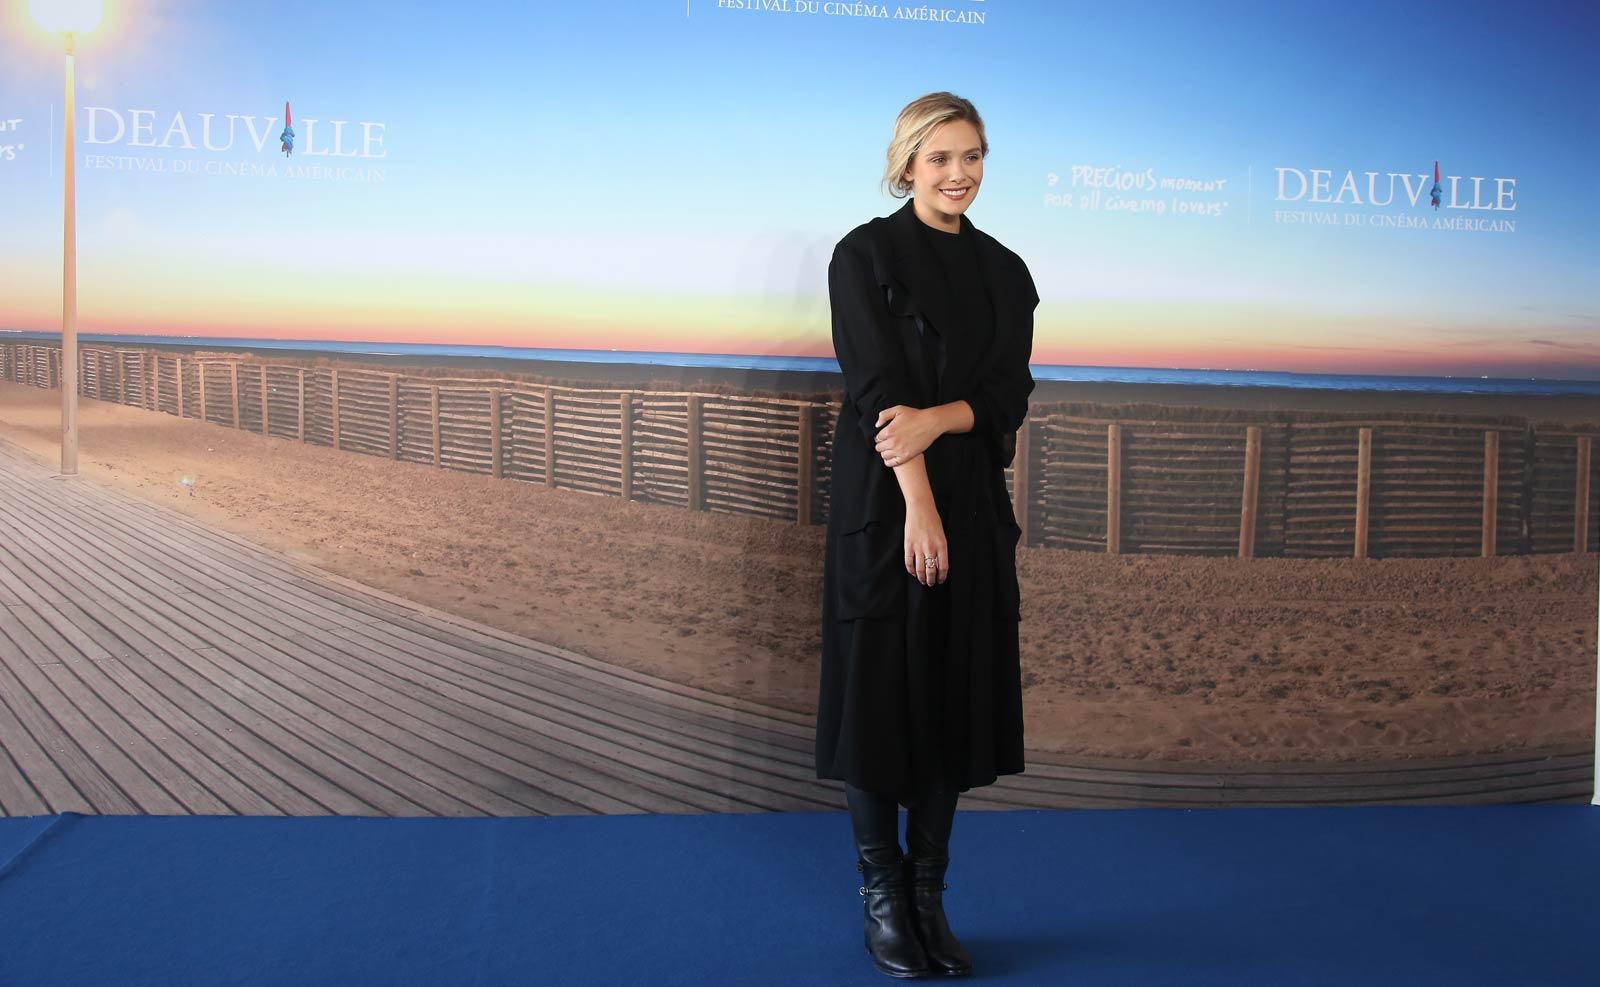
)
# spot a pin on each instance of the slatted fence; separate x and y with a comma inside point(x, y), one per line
point(1113, 478)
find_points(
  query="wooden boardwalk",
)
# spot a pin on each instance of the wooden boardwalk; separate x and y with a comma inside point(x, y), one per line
point(151, 664)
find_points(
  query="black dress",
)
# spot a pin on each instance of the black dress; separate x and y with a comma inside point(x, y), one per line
point(921, 686)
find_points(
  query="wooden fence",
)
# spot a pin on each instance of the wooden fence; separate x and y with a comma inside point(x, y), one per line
point(1179, 481)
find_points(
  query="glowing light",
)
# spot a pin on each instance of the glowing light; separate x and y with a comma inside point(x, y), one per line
point(67, 16)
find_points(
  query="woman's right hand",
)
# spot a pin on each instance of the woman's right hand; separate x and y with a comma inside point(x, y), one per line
point(924, 543)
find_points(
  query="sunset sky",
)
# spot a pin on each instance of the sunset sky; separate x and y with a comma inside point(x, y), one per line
point(663, 176)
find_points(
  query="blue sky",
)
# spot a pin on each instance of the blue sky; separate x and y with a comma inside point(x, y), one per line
point(627, 149)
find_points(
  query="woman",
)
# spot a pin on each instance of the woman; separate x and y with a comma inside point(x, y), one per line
point(921, 695)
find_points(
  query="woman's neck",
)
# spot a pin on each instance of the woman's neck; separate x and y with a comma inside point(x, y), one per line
point(942, 222)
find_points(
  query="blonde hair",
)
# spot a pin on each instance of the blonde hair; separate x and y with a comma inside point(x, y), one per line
point(919, 119)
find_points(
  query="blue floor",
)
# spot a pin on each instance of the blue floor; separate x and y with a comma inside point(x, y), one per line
point(1451, 895)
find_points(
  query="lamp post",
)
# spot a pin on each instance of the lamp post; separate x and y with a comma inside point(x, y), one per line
point(68, 19)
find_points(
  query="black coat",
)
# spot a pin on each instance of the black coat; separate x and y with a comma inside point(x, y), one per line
point(921, 686)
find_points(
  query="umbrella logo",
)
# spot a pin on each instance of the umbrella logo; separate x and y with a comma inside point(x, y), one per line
point(287, 137)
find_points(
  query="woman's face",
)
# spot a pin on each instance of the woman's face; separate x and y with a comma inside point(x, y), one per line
point(945, 173)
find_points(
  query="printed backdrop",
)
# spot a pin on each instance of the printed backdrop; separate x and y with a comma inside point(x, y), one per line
point(1328, 209)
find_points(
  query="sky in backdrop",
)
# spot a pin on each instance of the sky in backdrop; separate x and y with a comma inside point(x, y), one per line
point(1221, 185)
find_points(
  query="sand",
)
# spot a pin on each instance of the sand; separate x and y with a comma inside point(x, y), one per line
point(1134, 656)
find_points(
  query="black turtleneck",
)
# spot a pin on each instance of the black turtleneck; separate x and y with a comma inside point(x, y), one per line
point(958, 255)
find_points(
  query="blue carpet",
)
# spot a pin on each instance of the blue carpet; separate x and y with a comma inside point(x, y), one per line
point(1382, 895)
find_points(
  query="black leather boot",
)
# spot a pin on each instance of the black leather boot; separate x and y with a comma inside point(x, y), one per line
point(928, 825)
point(890, 932)
point(890, 928)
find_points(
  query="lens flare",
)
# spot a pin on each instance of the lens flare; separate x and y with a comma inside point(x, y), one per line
point(67, 16)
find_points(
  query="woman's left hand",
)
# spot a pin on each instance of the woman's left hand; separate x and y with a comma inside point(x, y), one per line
point(905, 432)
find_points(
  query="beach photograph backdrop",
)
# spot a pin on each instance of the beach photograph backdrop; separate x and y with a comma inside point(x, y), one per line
point(529, 323)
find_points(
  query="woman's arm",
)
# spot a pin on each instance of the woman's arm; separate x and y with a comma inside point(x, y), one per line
point(908, 432)
point(999, 402)
point(953, 418)
point(863, 339)
point(924, 534)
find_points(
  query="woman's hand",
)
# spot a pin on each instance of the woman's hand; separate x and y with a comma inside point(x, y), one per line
point(904, 432)
point(925, 544)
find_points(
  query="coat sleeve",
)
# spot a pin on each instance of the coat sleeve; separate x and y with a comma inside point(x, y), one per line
point(864, 340)
point(1000, 398)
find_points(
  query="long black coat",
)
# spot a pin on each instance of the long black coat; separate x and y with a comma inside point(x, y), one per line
point(921, 686)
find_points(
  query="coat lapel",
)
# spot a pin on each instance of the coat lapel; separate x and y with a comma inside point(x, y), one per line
point(927, 295)
point(913, 260)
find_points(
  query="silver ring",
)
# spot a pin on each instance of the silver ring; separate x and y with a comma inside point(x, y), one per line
point(932, 562)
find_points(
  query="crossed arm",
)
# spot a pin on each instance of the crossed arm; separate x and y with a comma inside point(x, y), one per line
point(875, 382)
point(906, 432)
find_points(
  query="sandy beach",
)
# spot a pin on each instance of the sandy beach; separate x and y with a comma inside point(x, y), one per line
point(1130, 656)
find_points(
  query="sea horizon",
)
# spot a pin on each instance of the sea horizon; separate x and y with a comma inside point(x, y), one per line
point(1205, 376)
